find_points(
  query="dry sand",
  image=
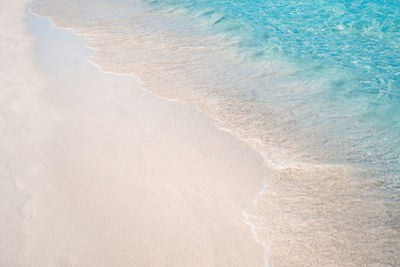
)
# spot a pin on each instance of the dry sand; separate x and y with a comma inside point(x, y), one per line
point(95, 171)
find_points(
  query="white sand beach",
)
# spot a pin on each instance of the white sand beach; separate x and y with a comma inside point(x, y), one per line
point(95, 171)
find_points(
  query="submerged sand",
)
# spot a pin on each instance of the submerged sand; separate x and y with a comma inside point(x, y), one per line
point(95, 171)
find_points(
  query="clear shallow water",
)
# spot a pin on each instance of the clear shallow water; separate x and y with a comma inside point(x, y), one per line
point(349, 49)
point(314, 86)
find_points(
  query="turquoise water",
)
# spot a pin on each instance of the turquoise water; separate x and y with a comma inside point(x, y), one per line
point(350, 48)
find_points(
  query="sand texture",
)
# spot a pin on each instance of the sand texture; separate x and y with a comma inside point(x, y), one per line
point(95, 171)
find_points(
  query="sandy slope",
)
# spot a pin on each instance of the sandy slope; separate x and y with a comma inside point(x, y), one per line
point(96, 171)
